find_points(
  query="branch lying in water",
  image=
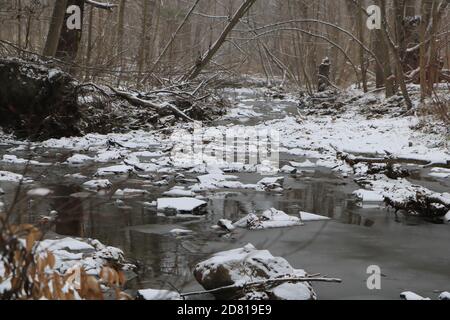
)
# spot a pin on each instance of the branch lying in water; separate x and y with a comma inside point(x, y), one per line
point(263, 283)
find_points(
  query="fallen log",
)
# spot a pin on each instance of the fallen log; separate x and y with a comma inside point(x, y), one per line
point(421, 203)
point(353, 160)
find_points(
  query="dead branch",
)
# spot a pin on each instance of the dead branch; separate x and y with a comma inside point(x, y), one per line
point(264, 284)
point(148, 104)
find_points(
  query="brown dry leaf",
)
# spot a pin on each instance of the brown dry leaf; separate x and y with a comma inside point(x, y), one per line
point(30, 241)
point(51, 259)
point(122, 278)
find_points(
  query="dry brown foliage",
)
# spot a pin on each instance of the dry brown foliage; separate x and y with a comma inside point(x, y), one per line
point(32, 276)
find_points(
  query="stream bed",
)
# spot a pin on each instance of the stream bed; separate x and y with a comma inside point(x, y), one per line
point(413, 253)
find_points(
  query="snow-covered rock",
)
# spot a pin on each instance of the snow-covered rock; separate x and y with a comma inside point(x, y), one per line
point(444, 296)
point(447, 217)
point(408, 295)
point(152, 295)
point(2, 191)
point(97, 184)
point(246, 265)
point(271, 184)
point(78, 159)
point(182, 205)
point(226, 225)
point(269, 219)
point(13, 177)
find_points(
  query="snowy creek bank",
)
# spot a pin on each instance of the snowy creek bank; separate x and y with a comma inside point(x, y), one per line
point(130, 191)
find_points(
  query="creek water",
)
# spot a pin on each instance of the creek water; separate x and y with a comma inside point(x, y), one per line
point(413, 254)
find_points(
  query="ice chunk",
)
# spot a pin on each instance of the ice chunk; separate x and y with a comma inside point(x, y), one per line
point(305, 216)
point(152, 294)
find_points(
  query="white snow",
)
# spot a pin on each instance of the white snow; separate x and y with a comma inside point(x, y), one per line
point(181, 205)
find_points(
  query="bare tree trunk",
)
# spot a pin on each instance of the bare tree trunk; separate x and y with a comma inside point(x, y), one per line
point(395, 50)
point(119, 37)
point(206, 58)
point(425, 12)
point(69, 40)
point(51, 45)
point(360, 27)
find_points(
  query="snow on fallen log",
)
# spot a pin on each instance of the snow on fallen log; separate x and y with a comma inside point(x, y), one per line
point(404, 196)
point(248, 273)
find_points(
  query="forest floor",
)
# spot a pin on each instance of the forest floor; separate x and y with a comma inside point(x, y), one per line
point(340, 157)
